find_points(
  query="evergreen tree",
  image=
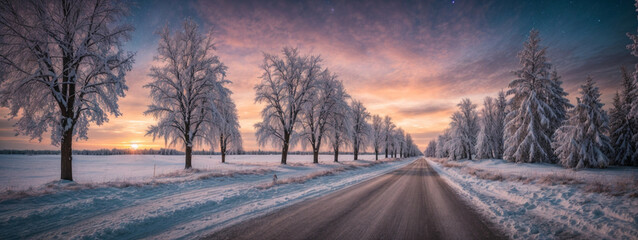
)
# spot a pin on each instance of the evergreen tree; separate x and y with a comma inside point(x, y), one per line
point(633, 105)
point(622, 126)
point(529, 123)
point(581, 141)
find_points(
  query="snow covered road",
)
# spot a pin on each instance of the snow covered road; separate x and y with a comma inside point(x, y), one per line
point(410, 203)
point(179, 209)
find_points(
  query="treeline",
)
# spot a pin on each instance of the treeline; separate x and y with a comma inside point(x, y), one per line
point(534, 122)
point(307, 103)
point(161, 151)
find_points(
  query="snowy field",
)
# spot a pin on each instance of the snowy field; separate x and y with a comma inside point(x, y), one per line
point(545, 201)
point(117, 197)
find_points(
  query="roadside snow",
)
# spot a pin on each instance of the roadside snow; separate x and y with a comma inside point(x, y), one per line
point(176, 203)
point(544, 201)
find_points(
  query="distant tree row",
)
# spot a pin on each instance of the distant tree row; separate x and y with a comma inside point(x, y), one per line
point(538, 124)
point(305, 102)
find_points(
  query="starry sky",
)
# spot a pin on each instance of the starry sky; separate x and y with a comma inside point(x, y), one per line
point(412, 60)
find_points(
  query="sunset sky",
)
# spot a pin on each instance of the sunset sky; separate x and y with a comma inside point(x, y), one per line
point(412, 60)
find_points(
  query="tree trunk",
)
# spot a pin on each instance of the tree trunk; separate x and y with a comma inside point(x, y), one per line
point(66, 156)
point(356, 152)
point(222, 148)
point(376, 154)
point(315, 156)
point(284, 149)
point(337, 154)
point(386, 151)
point(189, 156)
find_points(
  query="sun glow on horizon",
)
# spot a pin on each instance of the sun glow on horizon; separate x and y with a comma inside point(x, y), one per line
point(135, 146)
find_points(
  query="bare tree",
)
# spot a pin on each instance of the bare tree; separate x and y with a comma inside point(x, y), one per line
point(388, 129)
point(326, 97)
point(378, 135)
point(339, 121)
point(361, 129)
point(62, 67)
point(286, 85)
point(185, 87)
point(225, 131)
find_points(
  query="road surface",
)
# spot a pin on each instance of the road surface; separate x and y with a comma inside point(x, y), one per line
point(410, 203)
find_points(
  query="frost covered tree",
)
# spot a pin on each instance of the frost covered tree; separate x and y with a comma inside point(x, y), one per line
point(185, 87)
point(287, 84)
point(489, 143)
point(464, 128)
point(529, 123)
point(558, 102)
point(442, 150)
point(327, 95)
point(581, 141)
point(622, 127)
point(411, 148)
point(388, 129)
point(340, 127)
point(633, 112)
point(399, 140)
point(378, 136)
point(225, 130)
point(361, 129)
point(430, 151)
point(62, 67)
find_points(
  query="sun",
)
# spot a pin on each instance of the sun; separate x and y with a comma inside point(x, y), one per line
point(134, 146)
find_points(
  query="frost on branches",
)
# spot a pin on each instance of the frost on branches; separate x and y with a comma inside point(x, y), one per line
point(62, 67)
point(326, 100)
point(287, 84)
point(225, 127)
point(340, 125)
point(622, 126)
point(185, 87)
point(581, 141)
point(490, 138)
point(529, 124)
point(633, 112)
point(361, 129)
point(378, 136)
point(464, 128)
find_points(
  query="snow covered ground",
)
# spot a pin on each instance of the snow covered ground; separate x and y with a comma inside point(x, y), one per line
point(117, 197)
point(545, 201)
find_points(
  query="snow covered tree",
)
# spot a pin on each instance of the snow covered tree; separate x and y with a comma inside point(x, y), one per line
point(225, 129)
point(62, 67)
point(361, 129)
point(529, 123)
point(185, 87)
point(581, 141)
point(388, 129)
point(329, 93)
point(622, 127)
point(633, 103)
point(378, 136)
point(340, 125)
point(442, 146)
point(398, 142)
point(430, 151)
point(558, 102)
point(287, 84)
point(490, 137)
point(464, 128)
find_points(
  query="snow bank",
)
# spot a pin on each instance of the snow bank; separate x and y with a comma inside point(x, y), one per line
point(541, 201)
point(178, 203)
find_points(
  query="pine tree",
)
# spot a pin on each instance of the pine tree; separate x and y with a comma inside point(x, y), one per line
point(581, 141)
point(622, 128)
point(529, 123)
point(633, 105)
